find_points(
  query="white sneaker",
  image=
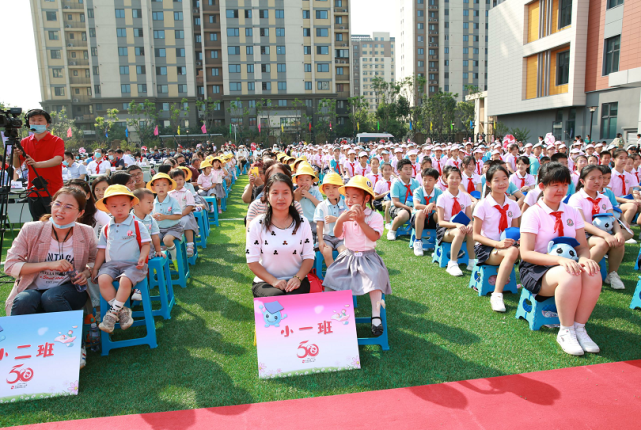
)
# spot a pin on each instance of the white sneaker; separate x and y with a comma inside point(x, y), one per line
point(136, 296)
point(615, 281)
point(586, 343)
point(418, 248)
point(388, 226)
point(631, 241)
point(496, 300)
point(568, 341)
point(471, 264)
point(391, 235)
point(453, 269)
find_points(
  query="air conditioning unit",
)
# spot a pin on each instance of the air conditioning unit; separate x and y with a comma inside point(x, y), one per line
point(199, 63)
point(70, 45)
point(67, 7)
point(72, 63)
point(68, 25)
point(76, 100)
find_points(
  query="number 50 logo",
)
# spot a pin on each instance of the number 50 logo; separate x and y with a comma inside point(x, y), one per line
point(311, 350)
point(24, 375)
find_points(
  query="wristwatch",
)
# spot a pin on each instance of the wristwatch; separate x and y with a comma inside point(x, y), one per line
point(299, 279)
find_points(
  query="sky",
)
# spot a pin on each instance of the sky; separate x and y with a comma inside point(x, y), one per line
point(19, 84)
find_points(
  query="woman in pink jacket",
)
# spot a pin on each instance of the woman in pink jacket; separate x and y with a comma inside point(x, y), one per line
point(49, 259)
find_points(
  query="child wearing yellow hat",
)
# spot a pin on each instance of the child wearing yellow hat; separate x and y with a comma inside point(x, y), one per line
point(359, 268)
point(210, 181)
point(123, 249)
point(167, 213)
point(308, 196)
point(326, 214)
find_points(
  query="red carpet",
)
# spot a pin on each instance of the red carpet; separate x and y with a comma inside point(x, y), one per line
point(601, 396)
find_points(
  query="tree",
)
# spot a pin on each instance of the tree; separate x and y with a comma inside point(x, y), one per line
point(358, 109)
point(60, 124)
point(440, 113)
point(520, 134)
point(208, 108)
point(500, 130)
point(176, 111)
point(105, 125)
point(465, 113)
point(264, 106)
point(144, 118)
point(326, 121)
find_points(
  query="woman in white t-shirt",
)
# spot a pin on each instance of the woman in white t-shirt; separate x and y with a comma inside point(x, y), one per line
point(280, 247)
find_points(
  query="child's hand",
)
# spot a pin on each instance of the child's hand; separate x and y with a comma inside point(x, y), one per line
point(304, 192)
point(429, 208)
point(330, 219)
point(611, 241)
point(159, 217)
point(141, 262)
point(94, 275)
point(505, 243)
point(298, 194)
point(590, 266)
point(345, 216)
point(620, 239)
point(358, 214)
point(462, 228)
point(571, 266)
point(525, 189)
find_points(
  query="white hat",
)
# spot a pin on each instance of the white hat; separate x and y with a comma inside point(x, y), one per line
point(479, 150)
point(384, 152)
point(598, 144)
point(363, 154)
point(562, 146)
point(575, 151)
point(528, 145)
point(538, 145)
point(412, 152)
point(351, 151)
point(398, 150)
point(589, 146)
point(496, 152)
point(550, 146)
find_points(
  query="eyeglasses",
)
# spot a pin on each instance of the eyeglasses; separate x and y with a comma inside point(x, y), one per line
point(63, 208)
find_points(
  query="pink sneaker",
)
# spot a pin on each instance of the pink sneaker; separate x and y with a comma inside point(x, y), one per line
point(220, 211)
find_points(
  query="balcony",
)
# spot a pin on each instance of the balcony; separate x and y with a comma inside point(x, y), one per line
point(196, 11)
point(74, 44)
point(434, 33)
point(75, 24)
point(72, 5)
point(340, 10)
point(199, 80)
point(78, 98)
point(85, 118)
point(77, 62)
point(76, 80)
point(433, 45)
point(210, 25)
point(433, 19)
point(341, 44)
point(341, 27)
point(341, 60)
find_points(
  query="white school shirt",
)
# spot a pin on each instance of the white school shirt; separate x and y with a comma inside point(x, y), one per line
point(580, 201)
point(446, 200)
point(416, 170)
point(538, 221)
point(383, 186)
point(574, 176)
point(511, 160)
point(479, 167)
point(456, 162)
point(350, 167)
point(374, 178)
point(516, 179)
point(490, 216)
point(476, 180)
point(532, 196)
point(94, 168)
point(363, 171)
point(616, 183)
point(438, 164)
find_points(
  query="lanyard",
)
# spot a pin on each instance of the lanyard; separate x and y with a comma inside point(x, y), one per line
point(61, 245)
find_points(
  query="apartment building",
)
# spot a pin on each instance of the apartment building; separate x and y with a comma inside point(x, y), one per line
point(372, 57)
point(570, 67)
point(95, 55)
point(446, 42)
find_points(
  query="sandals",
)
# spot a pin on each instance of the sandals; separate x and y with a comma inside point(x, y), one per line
point(377, 330)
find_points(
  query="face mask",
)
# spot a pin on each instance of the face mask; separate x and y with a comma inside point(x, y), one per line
point(37, 129)
point(97, 154)
point(77, 158)
point(62, 227)
point(65, 163)
point(111, 157)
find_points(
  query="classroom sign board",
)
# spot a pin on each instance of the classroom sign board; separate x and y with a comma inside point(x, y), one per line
point(305, 334)
point(40, 355)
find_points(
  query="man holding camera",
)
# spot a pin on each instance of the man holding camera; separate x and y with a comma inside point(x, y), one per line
point(44, 152)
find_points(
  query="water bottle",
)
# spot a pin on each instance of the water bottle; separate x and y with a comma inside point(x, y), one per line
point(92, 338)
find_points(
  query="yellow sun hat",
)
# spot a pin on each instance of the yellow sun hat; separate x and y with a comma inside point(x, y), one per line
point(116, 190)
point(161, 176)
point(204, 164)
point(187, 171)
point(360, 182)
point(332, 178)
point(305, 169)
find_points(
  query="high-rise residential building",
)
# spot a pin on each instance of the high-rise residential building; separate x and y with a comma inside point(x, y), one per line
point(372, 57)
point(446, 43)
point(95, 55)
point(569, 67)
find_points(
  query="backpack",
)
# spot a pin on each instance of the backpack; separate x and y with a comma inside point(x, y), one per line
point(138, 239)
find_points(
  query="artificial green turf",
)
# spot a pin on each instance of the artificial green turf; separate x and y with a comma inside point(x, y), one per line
point(440, 331)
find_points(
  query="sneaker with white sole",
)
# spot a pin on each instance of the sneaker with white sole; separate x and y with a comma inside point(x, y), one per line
point(136, 296)
point(587, 344)
point(568, 341)
point(125, 318)
point(471, 264)
point(496, 301)
point(418, 248)
point(391, 235)
point(631, 241)
point(190, 251)
point(615, 281)
point(109, 322)
point(388, 226)
point(453, 269)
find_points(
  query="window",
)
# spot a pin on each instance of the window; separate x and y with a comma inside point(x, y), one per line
point(59, 91)
point(282, 103)
point(308, 86)
point(282, 86)
point(267, 85)
point(466, 38)
point(120, 13)
point(137, 32)
point(181, 70)
point(308, 67)
point(252, 105)
point(199, 38)
point(322, 67)
point(420, 26)
point(611, 60)
point(322, 85)
point(280, 13)
point(157, 16)
point(281, 68)
point(609, 113)
point(122, 52)
point(213, 36)
point(248, 13)
point(232, 32)
point(136, 13)
point(321, 14)
point(563, 68)
point(234, 68)
point(250, 68)
point(476, 50)
point(53, 35)
point(264, 50)
point(305, 14)
point(232, 13)
point(263, 13)
point(322, 32)
point(139, 51)
point(249, 32)
point(339, 38)
point(306, 32)
point(125, 88)
point(178, 16)
point(94, 52)
point(235, 86)
point(322, 50)
point(466, 75)
point(466, 12)
point(265, 68)
point(251, 86)
point(180, 34)
point(466, 63)
point(233, 50)
point(419, 13)
point(339, 20)
point(565, 13)
point(182, 88)
point(92, 32)
point(142, 88)
point(158, 34)
point(160, 52)
point(213, 54)
point(124, 70)
point(90, 15)
point(421, 51)
point(280, 50)
point(162, 71)
point(215, 89)
point(57, 73)
point(215, 71)
point(249, 50)
point(421, 63)
point(614, 3)
point(212, 19)
point(264, 32)
point(180, 52)
point(280, 32)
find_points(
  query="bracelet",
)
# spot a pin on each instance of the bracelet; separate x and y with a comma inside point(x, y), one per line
point(299, 279)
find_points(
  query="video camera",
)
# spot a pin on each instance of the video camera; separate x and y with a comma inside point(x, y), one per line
point(11, 121)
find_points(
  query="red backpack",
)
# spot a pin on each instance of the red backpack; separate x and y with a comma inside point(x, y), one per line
point(138, 239)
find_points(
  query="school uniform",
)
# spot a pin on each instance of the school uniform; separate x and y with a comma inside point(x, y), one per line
point(456, 162)
point(620, 183)
point(478, 167)
point(446, 201)
point(532, 196)
point(363, 171)
point(494, 222)
point(382, 187)
point(169, 206)
point(122, 252)
point(324, 209)
point(405, 194)
point(470, 182)
point(350, 167)
point(374, 178)
point(309, 208)
point(335, 165)
point(421, 197)
point(540, 221)
point(589, 206)
point(440, 184)
point(416, 170)
point(522, 181)
point(185, 198)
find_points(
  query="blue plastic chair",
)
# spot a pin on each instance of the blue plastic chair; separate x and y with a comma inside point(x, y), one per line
point(441, 254)
point(636, 297)
point(532, 310)
point(604, 269)
point(484, 277)
point(147, 320)
point(194, 258)
point(201, 239)
point(382, 340)
point(180, 277)
point(160, 277)
point(404, 230)
point(430, 235)
point(319, 264)
point(213, 216)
